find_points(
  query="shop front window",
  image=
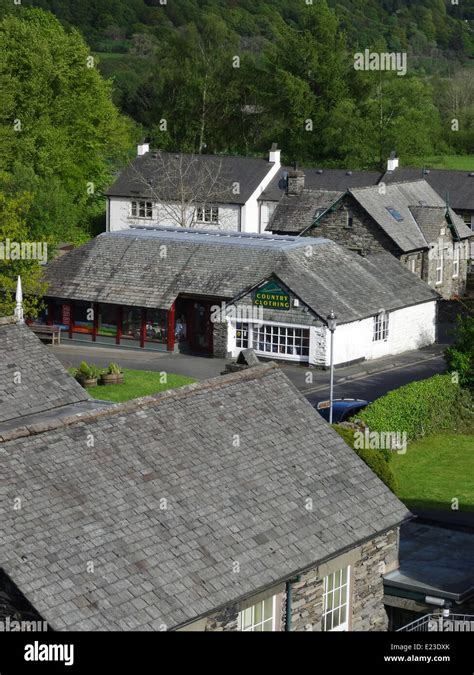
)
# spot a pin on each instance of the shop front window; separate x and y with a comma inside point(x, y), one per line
point(131, 323)
point(108, 320)
point(156, 326)
point(83, 317)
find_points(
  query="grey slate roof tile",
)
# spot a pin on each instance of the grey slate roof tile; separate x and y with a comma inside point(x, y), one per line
point(213, 265)
point(78, 505)
point(45, 385)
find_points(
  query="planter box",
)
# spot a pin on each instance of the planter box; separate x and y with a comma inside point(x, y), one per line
point(107, 378)
point(86, 382)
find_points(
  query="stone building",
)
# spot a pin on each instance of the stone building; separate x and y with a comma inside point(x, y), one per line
point(408, 220)
point(215, 293)
point(229, 504)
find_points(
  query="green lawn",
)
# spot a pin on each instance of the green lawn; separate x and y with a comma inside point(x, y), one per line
point(138, 383)
point(435, 470)
point(460, 162)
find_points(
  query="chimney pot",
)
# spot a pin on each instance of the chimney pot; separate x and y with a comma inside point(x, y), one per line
point(393, 161)
point(275, 155)
point(143, 148)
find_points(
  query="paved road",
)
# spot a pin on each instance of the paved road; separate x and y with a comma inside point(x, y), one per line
point(367, 380)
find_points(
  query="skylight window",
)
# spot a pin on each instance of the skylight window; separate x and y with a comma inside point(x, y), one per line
point(394, 213)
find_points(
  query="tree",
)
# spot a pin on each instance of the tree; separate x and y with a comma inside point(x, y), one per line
point(14, 260)
point(57, 118)
point(181, 184)
point(460, 357)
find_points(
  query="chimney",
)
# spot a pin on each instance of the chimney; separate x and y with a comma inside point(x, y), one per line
point(393, 161)
point(275, 155)
point(295, 182)
point(142, 148)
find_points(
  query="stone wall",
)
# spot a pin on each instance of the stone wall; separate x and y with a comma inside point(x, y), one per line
point(367, 564)
point(364, 237)
point(219, 339)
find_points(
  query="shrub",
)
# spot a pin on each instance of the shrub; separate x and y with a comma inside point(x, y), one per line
point(114, 369)
point(421, 408)
point(460, 357)
point(88, 372)
point(375, 459)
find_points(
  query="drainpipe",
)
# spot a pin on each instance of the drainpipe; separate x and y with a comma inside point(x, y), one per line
point(289, 598)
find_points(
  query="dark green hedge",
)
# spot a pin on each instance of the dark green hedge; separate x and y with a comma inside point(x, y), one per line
point(422, 408)
point(373, 458)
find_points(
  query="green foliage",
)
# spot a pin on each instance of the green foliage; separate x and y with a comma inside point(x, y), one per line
point(374, 459)
point(421, 408)
point(114, 369)
point(460, 357)
point(13, 228)
point(87, 371)
point(60, 132)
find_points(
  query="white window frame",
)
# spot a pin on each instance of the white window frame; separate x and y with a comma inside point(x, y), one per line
point(251, 627)
point(139, 205)
point(456, 257)
point(439, 267)
point(344, 599)
point(413, 265)
point(271, 333)
point(207, 214)
point(381, 327)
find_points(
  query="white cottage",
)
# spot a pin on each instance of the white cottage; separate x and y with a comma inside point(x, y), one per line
point(200, 191)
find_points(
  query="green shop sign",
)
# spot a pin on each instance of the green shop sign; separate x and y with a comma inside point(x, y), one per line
point(271, 296)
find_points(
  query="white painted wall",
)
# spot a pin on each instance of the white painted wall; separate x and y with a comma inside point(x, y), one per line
point(120, 219)
point(266, 212)
point(409, 328)
point(251, 208)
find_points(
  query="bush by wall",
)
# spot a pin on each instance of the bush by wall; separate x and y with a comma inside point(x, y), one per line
point(422, 408)
point(375, 459)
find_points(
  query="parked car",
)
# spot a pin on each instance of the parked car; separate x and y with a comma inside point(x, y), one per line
point(342, 408)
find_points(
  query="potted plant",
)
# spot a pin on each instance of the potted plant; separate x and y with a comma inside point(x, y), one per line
point(113, 375)
point(87, 375)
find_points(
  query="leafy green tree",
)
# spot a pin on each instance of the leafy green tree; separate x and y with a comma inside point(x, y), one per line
point(14, 231)
point(57, 118)
point(460, 357)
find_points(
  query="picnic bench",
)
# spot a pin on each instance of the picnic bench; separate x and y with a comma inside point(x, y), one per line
point(43, 331)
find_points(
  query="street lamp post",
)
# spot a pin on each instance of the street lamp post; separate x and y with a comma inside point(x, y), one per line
point(332, 322)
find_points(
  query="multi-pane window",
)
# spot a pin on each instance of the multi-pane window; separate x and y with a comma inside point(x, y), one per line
point(242, 335)
point(269, 339)
point(380, 327)
point(207, 214)
point(141, 209)
point(336, 601)
point(439, 268)
point(281, 340)
point(259, 617)
point(455, 261)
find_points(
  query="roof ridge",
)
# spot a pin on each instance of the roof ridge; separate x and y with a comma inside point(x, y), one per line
point(252, 373)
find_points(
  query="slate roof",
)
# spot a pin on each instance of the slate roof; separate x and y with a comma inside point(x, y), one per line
point(155, 565)
point(401, 196)
point(44, 384)
point(295, 213)
point(458, 185)
point(336, 180)
point(129, 268)
point(169, 176)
